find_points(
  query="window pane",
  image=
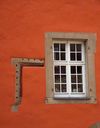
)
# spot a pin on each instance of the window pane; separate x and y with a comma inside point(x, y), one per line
point(79, 57)
point(78, 47)
point(80, 88)
point(57, 78)
point(62, 47)
point(79, 78)
point(63, 78)
point(72, 56)
point(57, 87)
point(73, 69)
point(79, 69)
point(63, 88)
point(56, 55)
point(63, 69)
point(57, 69)
point(62, 56)
point(74, 88)
point(56, 47)
point(72, 47)
point(73, 78)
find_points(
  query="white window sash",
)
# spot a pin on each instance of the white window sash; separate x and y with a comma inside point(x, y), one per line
point(69, 63)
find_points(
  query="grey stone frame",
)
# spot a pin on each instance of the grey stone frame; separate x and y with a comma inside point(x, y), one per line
point(90, 48)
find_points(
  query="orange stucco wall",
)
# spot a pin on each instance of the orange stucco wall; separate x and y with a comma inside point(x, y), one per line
point(22, 27)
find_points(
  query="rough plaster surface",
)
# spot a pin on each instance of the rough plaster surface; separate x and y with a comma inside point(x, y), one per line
point(22, 27)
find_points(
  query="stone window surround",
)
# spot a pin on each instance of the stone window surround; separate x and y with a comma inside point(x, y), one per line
point(90, 47)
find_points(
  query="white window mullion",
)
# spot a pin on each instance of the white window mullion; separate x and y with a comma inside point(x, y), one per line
point(69, 80)
point(68, 69)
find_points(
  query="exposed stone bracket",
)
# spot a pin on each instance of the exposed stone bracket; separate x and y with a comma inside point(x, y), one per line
point(19, 63)
point(28, 61)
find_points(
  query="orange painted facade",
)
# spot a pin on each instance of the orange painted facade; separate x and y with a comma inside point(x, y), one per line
point(23, 24)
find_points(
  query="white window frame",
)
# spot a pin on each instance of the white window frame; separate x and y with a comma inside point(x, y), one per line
point(68, 63)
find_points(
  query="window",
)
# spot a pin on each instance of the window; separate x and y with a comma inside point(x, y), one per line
point(70, 71)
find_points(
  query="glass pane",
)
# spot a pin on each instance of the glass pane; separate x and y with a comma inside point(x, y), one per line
point(78, 47)
point(72, 56)
point(63, 69)
point(72, 47)
point(56, 47)
point(73, 78)
point(79, 78)
point(57, 78)
point(57, 69)
point(62, 47)
point(57, 87)
point(62, 56)
point(80, 88)
point(56, 56)
point(63, 88)
point(73, 69)
point(79, 69)
point(74, 88)
point(79, 57)
point(63, 78)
